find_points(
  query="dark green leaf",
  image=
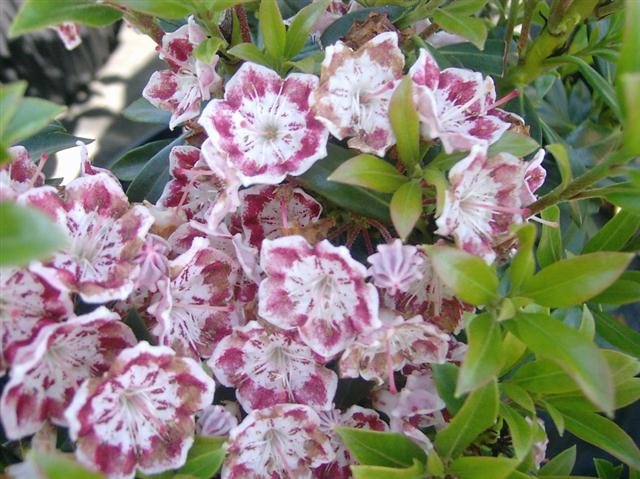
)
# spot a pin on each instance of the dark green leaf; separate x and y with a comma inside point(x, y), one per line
point(625, 290)
point(272, 28)
point(478, 413)
point(465, 55)
point(520, 430)
point(445, 377)
point(416, 471)
point(160, 8)
point(205, 457)
point(561, 465)
point(483, 359)
point(144, 112)
point(606, 470)
point(550, 247)
point(406, 208)
point(31, 116)
point(405, 124)
point(129, 166)
point(471, 28)
point(37, 14)
point(61, 466)
point(369, 172)
point(482, 467)
point(466, 7)
point(26, 234)
point(617, 333)
point(579, 357)
point(515, 143)
point(374, 448)
point(51, 140)
point(523, 264)
point(627, 198)
point(468, 276)
point(575, 280)
point(615, 234)
point(298, 32)
point(559, 152)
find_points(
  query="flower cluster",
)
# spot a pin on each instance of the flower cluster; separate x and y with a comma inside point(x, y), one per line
point(233, 282)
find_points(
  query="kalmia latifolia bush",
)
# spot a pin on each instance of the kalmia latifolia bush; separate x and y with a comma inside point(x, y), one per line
point(387, 240)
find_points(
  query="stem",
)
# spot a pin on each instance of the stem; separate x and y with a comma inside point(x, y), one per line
point(508, 36)
point(245, 31)
point(145, 23)
point(529, 8)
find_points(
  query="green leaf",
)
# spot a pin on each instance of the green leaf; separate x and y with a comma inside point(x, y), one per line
point(250, 53)
point(602, 433)
point(629, 61)
point(478, 413)
point(466, 7)
point(312, 63)
point(617, 334)
point(160, 8)
point(518, 395)
point(405, 124)
point(523, 264)
point(27, 234)
point(370, 172)
point(131, 163)
point(436, 178)
point(625, 290)
point(37, 14)
point(206, 51)
point(61, 466)
point(550, 247)
point(575, 280)
point(298, 32)
point(465, 55)
point(543, 376)
point(514, 143)
point(272, 27)
point(471, 279)
point(483, 359)
point(406, 208)
point(445, 377)
point(374, 448)
point(606, 470)
point(561, 465)
point(513, 350)
point(435, 466)
point(31, 116)
point(520, 430)
point(579, 357)
point(556, 416)
point(478, 467)
point(144, 112)
point(50, 140)
point(10, 97)
point(624, 198)
point(205, 457)
point(559, 152)
point(630, 98)
point(587, 324)
point(615, 234)
point(353, 198)
point(416, 471)
point(471, 28)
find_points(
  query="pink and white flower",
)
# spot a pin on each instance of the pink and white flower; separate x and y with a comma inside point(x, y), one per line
point(486, 196)
point(320, 290)
point(395, 266)
point(215, 420)
point(355, 88)
point(69, 33)
point(191, 306)
point(27, 304)
point(19, 175)
point(153, 261)
point(270, 367)
point(189, 82)
point(265, 125)
point(104, 236)
point(279, 442)
point(47, 372)
point(455, 105)
point(140, 413)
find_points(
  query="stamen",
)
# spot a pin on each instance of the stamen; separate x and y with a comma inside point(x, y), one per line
point(283, 212)
point(185, 193)
point(502, 209)
point(552, 224)
point(43, 160)
point(504, 99)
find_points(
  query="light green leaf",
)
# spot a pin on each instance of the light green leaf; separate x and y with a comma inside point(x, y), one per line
point(615, 234)
point(518, 395)
point(468, 276)
point(298, 32)
point(250, 53)
point(543, 376)
point(523, 264)
point(374, 448)
point(471, 28)
point(205, 457)
point(10, 98)
point(478, 467)
point(466, 7)
point(436, 178)
point(61, 466)
point(435, 466)
point(37, 14)
point(575, 280)
point(405, 124)
point(630, 97)
point(617, 333)
point(206, 51)
point(370, 172)
point(478, 413)
point(31, 116)
point(559, 152)
point(629, 61)
point(416, 471)
point(520, 429)
point(312, 63)
point(625, 290)
point(445, 377)
point(587, 324)
point(579, 357)
point(160, 8)
point(514, 143)
point(144, 112)
point(406, 208)
point(556, 416)
point(561, 465)
point(129, 166)
point(272, 27)
point(27, 234)
point(550, 246)
point(513, 350)
point(483, 359)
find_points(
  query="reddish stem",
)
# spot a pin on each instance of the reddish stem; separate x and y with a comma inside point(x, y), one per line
point(244, 23)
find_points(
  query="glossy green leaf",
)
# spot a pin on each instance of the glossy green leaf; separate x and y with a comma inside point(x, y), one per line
point(129, 166)
point(483, 359)
point(606, 470)
point(518, 395)
point(559, 152)
point(370, 172)
point(160, 8)
point(405, 124)
point(579, 357)
point(466, 7)
point(51, 139)
point(478, 467)
point(556, 416)
point(615, 233)
point(471, 28)
point(26, 234)
point(435, 466)
point(406, 208)
point(206, 51)
point(298, 32)
point(626, 197)
point(603, 433)
point(587, 323)
point(272, 27)
point(468, 276)
point(250, 53)
point(478, 413)
point(465, 55)
point(550, 246)
point(575, 280)
point(625, 290)
point(543, 376)
point(56, 465)
point(445, 377)
point(416, 471)
point(520, 430)
point(31, 116)
point(514, 143)
point(37, 14)
point(437, 179)
point(374, 448)
point(561, 464)
point(617, 333)
point(513, 350)
point(629, 61)
point(630, 98)
point(205, 457)
point(523, 264)
point(144, 112)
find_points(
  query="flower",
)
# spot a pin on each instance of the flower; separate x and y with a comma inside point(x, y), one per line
point(19, 175)
point(47, 372)
point(215, 421)
point(455, 105)
point(153, 262)
point(395, 266)
point(27, 304)
point(192, 305)
point(355, 88)
point(486, 197)
point(279, 442)
point(140, 413)
point(189, 82)
point(320, 290)
point(69, 33)
point(104, 236)
point(272, 367)
point(265, 125)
